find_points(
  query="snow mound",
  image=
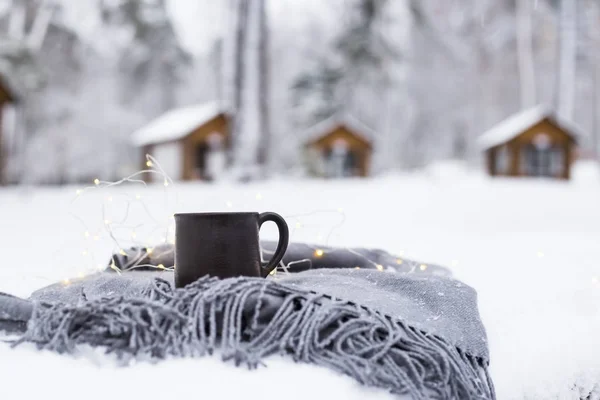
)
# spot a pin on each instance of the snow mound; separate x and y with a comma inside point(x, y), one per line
point(586, 171)
point(447, 170)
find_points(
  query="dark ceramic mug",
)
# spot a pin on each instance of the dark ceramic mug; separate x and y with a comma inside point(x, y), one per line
point(224, 245)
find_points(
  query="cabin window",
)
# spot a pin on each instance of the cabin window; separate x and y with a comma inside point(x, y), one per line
point(542, 158)
point(502, 160)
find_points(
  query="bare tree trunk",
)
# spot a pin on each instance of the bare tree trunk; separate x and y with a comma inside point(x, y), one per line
point(241, 23)
point(264, 88)
point(38, 31)
point(388, 140)
point(592, 19)
point(218, 70)
point(16, 22)
point(525, 54)
point(567, 54)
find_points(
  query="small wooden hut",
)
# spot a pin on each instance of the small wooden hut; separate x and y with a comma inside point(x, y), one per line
point(190, 143)
point(533, 143)
point(340, 146)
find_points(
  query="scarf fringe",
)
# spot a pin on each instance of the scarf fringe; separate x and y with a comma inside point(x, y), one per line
point(235, 317)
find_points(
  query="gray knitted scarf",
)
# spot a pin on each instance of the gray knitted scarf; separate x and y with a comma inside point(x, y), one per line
point(416, 334)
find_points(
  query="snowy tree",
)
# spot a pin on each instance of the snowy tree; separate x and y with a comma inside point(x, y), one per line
point(264, 85)
point(527, 79)
point(593, 25)
point(57, 50)
point(250, 90)
point(461, 80)
point(347, 78)
point(428, 76)
point(567, 57)
point(152, 61)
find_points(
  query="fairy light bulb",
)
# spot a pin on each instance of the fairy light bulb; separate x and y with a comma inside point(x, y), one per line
point(399, 261)
point(107, 222)
point(379, 267)
point(166, 183)
point(149, 250)
point(122, 252)
point(96, 181)
point(138, 196)
point(160, 266)
point(319, 253)
point(149, 163)
point(258, 196)
point(86, 234)
point(423, 267)
point(298, 225)
point(114, 267)
point(133, 235)
point(78, 192)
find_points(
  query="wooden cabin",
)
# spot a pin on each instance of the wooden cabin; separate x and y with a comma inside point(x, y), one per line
point(339, 147)
point(7, 99)
point(190, 143)
point(532, 143)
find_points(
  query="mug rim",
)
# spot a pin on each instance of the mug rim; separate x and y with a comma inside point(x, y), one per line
point(215, 214)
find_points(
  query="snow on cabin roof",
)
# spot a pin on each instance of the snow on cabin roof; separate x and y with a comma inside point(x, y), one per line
point(325, 127)
point(516, 124)
point(176, 124)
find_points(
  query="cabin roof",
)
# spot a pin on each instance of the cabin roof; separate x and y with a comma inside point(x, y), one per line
point(348, 121)
point(516, 124)
point(176, 124)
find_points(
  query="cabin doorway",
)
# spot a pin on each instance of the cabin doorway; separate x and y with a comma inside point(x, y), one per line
point(201, 153)
point(341, 164)
point(210, 158)
point(341, 161)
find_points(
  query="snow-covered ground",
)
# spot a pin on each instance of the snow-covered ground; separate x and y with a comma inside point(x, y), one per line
point(530, 248)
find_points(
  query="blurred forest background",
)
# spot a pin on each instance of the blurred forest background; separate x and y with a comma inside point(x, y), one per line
point(428, 75)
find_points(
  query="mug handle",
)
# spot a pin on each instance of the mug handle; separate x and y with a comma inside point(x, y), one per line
point(282, 245)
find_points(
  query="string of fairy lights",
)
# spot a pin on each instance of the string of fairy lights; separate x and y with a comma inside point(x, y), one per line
point(161, 230)
point(159, 237)
point(147, 246)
